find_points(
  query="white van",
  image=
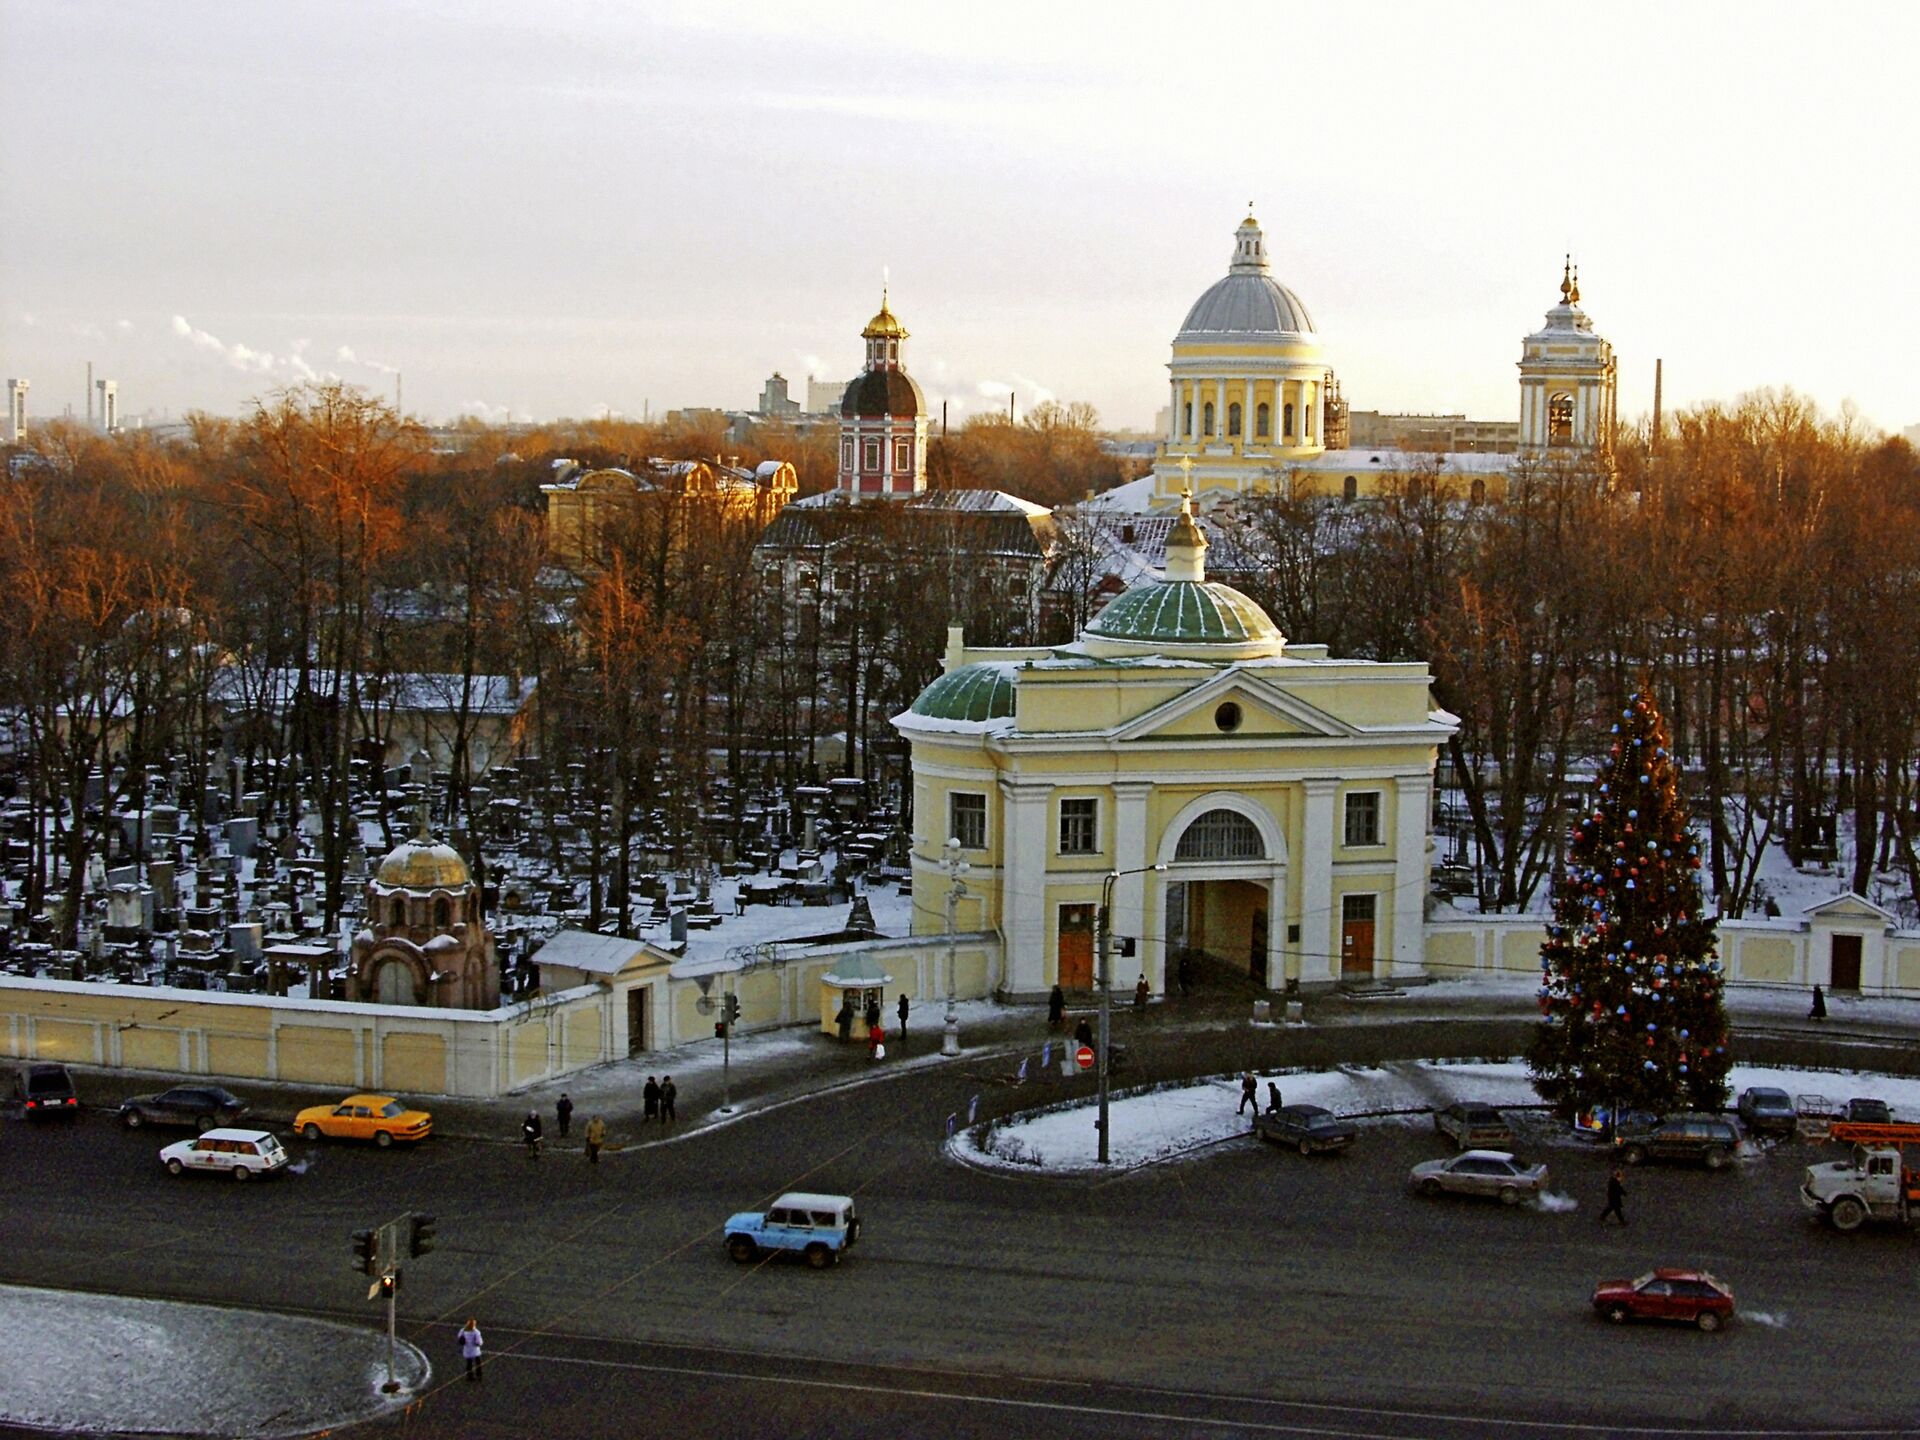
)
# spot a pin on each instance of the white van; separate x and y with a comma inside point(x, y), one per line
point(242, 1154)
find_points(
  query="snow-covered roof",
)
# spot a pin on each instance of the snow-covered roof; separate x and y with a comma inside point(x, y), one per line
point(584, 950)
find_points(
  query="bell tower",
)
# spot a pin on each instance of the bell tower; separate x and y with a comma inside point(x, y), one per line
point(883, 419)
point(1567, 379)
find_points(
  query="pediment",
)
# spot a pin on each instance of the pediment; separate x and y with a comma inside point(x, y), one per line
point(1264, 711)
point(1849, 906)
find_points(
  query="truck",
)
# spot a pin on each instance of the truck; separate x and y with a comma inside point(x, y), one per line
point(1876, 1184)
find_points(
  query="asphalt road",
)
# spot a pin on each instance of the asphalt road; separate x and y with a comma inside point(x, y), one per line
point(1249, 1292)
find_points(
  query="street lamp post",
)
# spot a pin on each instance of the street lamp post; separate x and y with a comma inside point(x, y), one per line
point(1105, 921)
point(955, 868)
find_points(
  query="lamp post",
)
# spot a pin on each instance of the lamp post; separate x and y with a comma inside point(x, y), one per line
point(955, 868)
point(1105, 922)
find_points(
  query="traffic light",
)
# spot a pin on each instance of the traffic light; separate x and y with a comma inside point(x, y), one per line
point(419, 1234)
point(719, 1029)
point(1126, 947)
point(733, 1008)
point(389, 1283)
point(366, 1251)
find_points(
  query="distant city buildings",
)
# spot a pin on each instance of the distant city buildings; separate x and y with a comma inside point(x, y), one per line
point(774, 403)
point(16, 410)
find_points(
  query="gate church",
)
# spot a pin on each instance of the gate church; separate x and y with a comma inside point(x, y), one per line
point(1261, 803)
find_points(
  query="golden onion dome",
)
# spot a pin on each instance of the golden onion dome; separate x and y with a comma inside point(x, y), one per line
point(423, 864)
point(885, 325)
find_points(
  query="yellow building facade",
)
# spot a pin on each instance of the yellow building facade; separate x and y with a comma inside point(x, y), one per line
point(1262, 805)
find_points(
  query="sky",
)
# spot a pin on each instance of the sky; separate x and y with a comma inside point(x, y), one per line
point(571, 209)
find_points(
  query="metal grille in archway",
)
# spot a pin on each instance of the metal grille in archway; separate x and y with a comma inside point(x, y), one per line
point(1221, 835)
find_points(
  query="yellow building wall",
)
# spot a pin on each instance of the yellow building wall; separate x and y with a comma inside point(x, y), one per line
point(314, 1053)
point(1766, 959)
point(151, 1049)
point(1906, 967)
point(66, 1041)
point(1450, 954)
point(1520, 948)
point(412, 1061)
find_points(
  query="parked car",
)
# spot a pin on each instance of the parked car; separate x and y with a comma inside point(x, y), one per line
point(379, 1118)
point(1692, 1297)
point(1305, 1127)
point(1705, 1138)
point(1473, 1124)
point(242, 1154)
point(1865, 1111)
point(819, 1227)
point(1481, 1172)
point(45, 1091)
point(200, 1107)
point(1766, 1111)
point(1593, 1124)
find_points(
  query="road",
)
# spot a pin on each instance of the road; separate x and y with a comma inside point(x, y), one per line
point(1247, 1292)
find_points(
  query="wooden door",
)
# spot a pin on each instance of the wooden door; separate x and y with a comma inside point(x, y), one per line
point(1846, 962)
point(636, 1019)
point(1076, 947)
point(1356, 937)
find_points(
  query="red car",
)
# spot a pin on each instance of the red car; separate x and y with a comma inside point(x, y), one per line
point(1691, 1296)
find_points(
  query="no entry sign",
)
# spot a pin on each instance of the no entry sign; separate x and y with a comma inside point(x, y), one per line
point(1084, 1057)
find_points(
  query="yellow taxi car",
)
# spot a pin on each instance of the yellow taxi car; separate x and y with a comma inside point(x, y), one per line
point(379, 1118)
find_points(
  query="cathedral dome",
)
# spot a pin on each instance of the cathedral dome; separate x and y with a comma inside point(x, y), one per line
point(424, 864)
point(1248, 301)
point(1184, 612)
point(883, 392)
point(982, 691)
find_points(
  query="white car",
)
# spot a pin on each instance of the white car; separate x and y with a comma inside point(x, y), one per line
point(242, 1154)
point(1481, 1172)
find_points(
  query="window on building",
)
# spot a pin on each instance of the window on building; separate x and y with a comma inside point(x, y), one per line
point(1560, 419)
point(846, 454)
point(1286, 421)
point(1349, 488)
point(1221, 835)
point(1233, 418)
point(1207, 418)
point(1186, 420)
point(1363, 817)
point(902, 455)
point(1478, 493)
point(1262, 422)
point(1227, 716)
point(1079, 826)
point(967, 819)
point(870, 460)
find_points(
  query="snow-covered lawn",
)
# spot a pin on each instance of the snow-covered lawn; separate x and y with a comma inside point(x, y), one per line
point(1176, 1123)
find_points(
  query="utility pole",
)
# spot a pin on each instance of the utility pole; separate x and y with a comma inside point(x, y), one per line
point(1104, 919)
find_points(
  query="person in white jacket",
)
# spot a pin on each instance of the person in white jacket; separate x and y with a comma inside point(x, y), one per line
point(470, 1343)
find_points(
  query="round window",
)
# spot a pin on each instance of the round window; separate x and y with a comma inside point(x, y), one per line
point(1227, 717)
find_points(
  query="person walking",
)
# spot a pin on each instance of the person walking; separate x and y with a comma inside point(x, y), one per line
point(1083, 1032)
point(844, 1019)
point(596, 1137)
point(470, 1349)
point(1056, 1008)
point(1819, 1010)
point(873, 1011)
point(563, 1112)
point(876, 1041)
point(530, 1132)
point(669, 1092)
point(1249, 1094)
point(1273, 1098)
point(650, 1096)
point(1616, 1194)
point(903, 1008)
point(1140, 993)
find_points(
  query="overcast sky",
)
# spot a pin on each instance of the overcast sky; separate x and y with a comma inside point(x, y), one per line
point(555, 208)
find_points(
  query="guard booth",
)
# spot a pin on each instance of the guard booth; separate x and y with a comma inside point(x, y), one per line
point(858, 978)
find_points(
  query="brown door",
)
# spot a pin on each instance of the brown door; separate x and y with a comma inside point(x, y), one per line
point(1076, 947)
point(1846, 962)
point(636, 1019)
point(1356, 937)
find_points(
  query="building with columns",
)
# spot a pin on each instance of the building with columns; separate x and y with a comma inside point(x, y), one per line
point(1266, 805)
point(1567, 379)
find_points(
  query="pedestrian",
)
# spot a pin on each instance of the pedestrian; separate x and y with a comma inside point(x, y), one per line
point(1616, 1193)
point(876, 1041)
point(1083, 1032)
point(903, 1008)
point(1819, 1010)
point(651, 1097)
point(1186, 973)
point(1056, 1008)
point(1140, 993)
point(596, 1137)
point(1249, 1094)
point(873, 1011)
point(845, 1018)
point(668, 1093)
point(1273, 1098)
point(530, 1132)
point(563, 1111)
point(470, 1343)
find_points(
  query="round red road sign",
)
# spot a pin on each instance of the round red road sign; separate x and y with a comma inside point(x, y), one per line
point(1084, 1057)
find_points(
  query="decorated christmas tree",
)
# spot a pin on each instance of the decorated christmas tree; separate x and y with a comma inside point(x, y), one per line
point(1630, 988)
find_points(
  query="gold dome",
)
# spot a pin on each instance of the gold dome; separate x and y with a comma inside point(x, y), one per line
point(423, 864)
point(884, 326)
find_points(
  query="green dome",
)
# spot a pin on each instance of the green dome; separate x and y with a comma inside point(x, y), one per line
point(1184, 612)
point(970, 692)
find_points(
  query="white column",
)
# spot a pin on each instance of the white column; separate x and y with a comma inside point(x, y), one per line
point(1220, 408)
point(1023, 887)
point(1284, 394)
point(1129, 891)
point(1411, 797)
point(1246, 417)
point(1173, 415)
point(1277, 931)
point(1319, 934)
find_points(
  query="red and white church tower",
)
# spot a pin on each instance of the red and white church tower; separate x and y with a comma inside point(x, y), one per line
point(883, 419)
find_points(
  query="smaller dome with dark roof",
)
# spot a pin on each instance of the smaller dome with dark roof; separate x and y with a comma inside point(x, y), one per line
point(875, 394)
point(974, 693)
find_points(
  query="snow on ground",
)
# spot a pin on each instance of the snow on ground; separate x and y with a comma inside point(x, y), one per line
point(1180, 1122)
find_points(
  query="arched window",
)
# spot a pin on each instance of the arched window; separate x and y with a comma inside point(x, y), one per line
point(442, 914)
point(1186, 420)
point(1221, 835)
point(1207, 420)
point(1560, 419)
point(1286, 421)
point(1349, 488)
point(1478, 493)
point(393, 984)
point(1262, 422)
point(1233, 418)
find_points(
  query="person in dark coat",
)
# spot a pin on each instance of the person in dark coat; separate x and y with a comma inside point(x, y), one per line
point(651, 1097)
point(1616, 1194)
point(669, 1092)
point(1056, 1008)
point(563, 1112)
point(1083, 1032)
point(1819, 1010)
point(1273, 1098)
point(1249, 1094)
point(1186, 973)
point(873, 1011)
point(903, 1007)
point(530, 1132)
point(1140, 994)
point(845, 1019)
